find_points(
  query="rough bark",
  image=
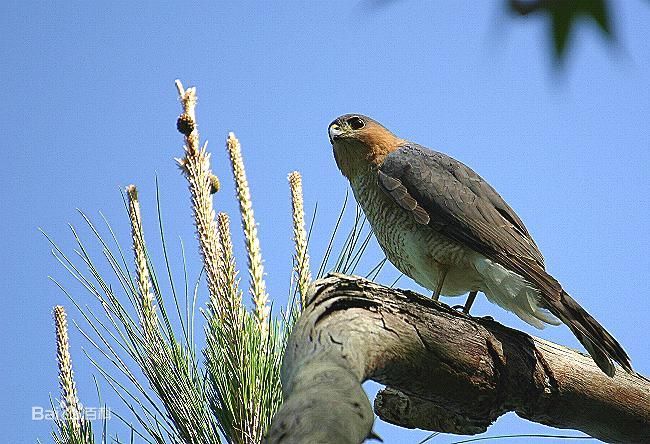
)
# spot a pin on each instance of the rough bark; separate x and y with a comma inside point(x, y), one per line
point(445, 371)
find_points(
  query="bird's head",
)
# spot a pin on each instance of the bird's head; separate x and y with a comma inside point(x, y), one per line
point(360, 143)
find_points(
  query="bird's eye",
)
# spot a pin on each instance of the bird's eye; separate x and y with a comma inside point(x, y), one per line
point(356, 123)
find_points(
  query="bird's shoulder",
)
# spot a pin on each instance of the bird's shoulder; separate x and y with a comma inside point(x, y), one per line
point(457, 200)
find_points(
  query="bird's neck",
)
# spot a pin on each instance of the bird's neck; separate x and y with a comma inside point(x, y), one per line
point(380, 147)
point(360, 158)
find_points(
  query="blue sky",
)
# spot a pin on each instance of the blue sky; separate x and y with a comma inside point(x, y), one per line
point(90, 107)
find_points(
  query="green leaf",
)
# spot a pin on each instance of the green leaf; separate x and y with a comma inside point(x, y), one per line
point(562, 15)
point(599, 12)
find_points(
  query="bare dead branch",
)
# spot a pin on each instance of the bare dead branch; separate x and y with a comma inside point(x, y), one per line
point(445, 371)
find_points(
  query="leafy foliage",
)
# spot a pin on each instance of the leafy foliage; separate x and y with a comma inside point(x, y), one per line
point(563, 16)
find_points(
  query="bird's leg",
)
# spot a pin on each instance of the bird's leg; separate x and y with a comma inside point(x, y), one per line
point(470, 301)
point(436, 294)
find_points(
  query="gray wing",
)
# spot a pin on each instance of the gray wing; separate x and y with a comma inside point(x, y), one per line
point(451, 198)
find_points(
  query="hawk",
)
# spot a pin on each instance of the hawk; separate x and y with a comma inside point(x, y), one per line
point(444, 226)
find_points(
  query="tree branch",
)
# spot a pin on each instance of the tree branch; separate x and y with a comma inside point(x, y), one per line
point(445, 371)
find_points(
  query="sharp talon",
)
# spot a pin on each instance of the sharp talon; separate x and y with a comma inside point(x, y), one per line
point(459, 307)
point(373, 435)
point(488, 318)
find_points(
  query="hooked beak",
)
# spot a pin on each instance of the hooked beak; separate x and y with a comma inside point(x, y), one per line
point(335, 131)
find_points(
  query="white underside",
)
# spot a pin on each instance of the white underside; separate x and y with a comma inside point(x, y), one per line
point(512, 292)
point(471, 271)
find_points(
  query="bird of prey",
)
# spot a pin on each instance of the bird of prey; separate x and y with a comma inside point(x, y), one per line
point(444, 226)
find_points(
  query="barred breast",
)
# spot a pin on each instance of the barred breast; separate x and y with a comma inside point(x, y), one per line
point(415, 249)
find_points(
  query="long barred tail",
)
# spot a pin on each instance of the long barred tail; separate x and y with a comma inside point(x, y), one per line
point(601, 345)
